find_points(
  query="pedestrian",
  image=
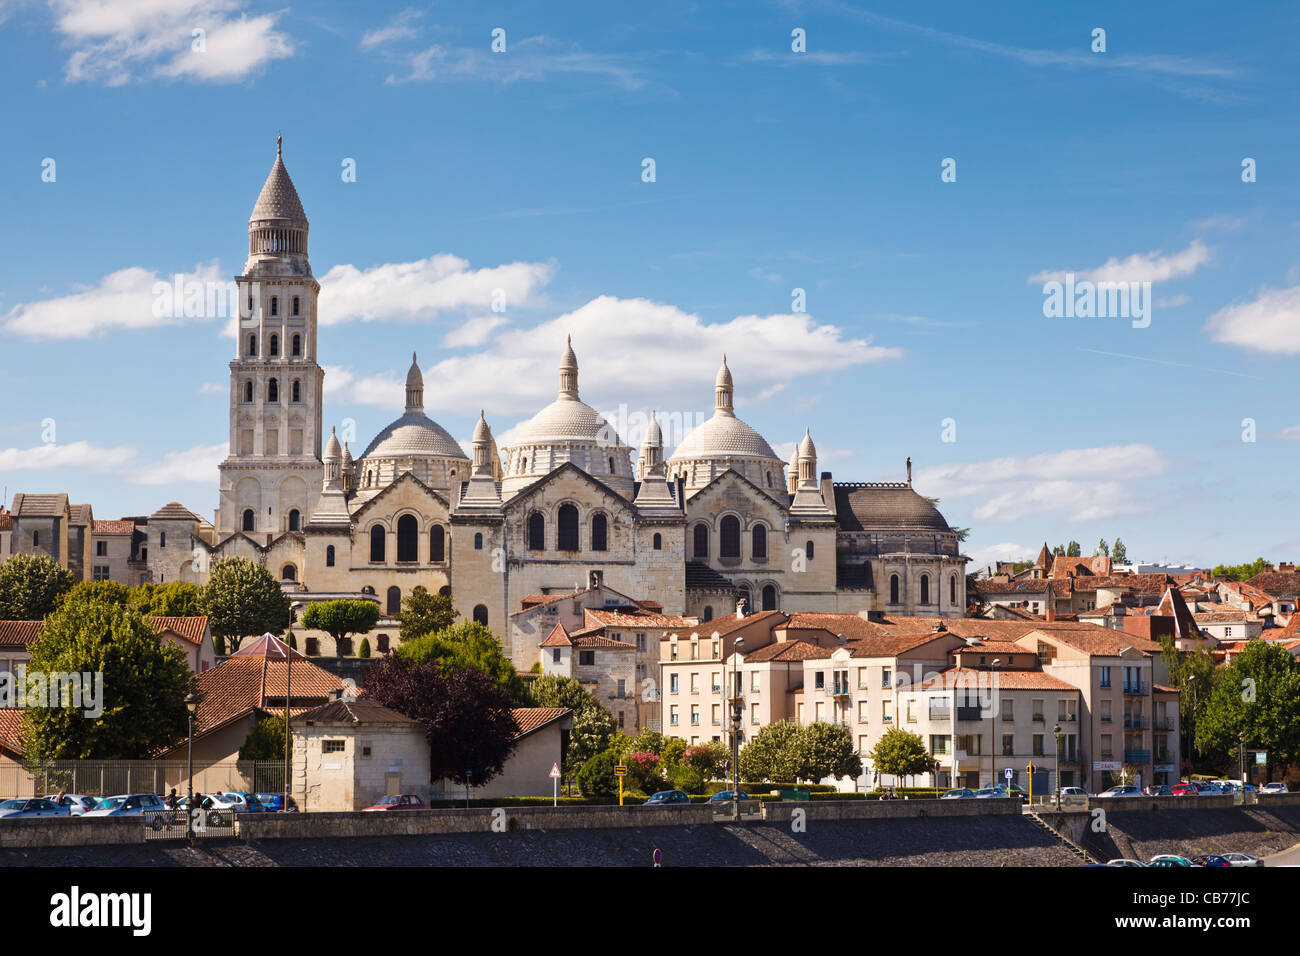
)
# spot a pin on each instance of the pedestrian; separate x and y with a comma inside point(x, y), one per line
point(62, 799)
point(171, 799)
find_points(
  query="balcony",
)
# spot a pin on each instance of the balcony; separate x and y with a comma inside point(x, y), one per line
point(1038, 718)
point(840, 690)
point(1137, 756)
point(1136, 689)
point(1137, 722)
point(1008, 717)
point(969, 713)
point(937, 714)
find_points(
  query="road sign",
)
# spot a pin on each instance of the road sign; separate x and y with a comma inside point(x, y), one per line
point(1008, 773)
point(1261, 757)
point(555, 770)
point(620, 770)
point(658, 856)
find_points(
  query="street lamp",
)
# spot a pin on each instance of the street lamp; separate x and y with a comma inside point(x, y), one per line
point(1241, 757)
point(737, 702)
point(1056, 732)
point(1191, 721)
point(191, 708)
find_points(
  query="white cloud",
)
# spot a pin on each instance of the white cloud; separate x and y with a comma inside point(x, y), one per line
point(1269, 323)
point(77, 454)
point(117, 41)
point(474, 332)
point(1083, 483)
point(1173, 302)
point(383, 390)
point(131, 298)
point(197, 465)
point(420, 290)
point(1139, 267)
point(1290, 433)
point(1003, 551)
point(532, 58)
point(400, 27)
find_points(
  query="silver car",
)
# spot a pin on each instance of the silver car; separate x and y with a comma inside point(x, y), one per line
point(77, 803)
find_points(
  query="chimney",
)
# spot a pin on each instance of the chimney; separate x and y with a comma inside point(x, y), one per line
point(1051, 608)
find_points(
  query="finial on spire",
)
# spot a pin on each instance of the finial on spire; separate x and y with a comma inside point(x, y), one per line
point(278, 141)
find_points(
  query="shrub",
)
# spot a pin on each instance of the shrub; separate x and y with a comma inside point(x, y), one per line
point(688, 778)
point(365, 648)
point(596, 777)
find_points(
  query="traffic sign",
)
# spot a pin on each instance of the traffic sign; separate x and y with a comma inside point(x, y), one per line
point(658, 856)
point(1008, 773)
point(620, 770)
point(1261, 757)
point(555, 770)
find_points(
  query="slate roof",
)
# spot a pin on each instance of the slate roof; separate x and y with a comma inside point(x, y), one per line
point(174, 511)
point(885, 507)
point(39, 506)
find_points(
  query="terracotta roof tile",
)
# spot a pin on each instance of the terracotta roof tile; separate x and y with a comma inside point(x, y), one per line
point(113, 527)
point(528, 719)
point(787, 651)
point(20, 633)
point(1065, 567)
point(1278, 583)
point(192, 629)
point(238, 684)
point(625, 617)
point(558, 637)
point(10, 719)
point(354, 712)
point(724, 625)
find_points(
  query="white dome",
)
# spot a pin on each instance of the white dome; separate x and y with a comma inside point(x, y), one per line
point(724, 436)
point(414, 435)
point(567, 419)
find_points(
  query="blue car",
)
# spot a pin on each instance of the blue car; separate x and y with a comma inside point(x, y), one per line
point(725, 796)
point(274, 802)
point(26, 808)
point(667, 798)
point(127, 805)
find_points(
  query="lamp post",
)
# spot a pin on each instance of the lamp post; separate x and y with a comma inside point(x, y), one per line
point(1191, 713)
point(1241, 757)
point(993, 726)
point(737, 702)
point(191, 707)
point(1056, 732)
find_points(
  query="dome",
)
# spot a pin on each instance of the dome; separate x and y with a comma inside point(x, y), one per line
point(278, 199)
point(806, 447)
point(885, 507)
point(724, 376)
point(567, 419)
point(724, 436)
point(414, 435)
point(332, 449)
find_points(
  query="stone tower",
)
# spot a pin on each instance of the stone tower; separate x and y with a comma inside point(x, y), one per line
point(272, 477)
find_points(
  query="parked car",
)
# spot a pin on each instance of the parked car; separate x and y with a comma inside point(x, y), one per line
point(725, 796)
point(1169, 859)
point(1185, 790)
point(1209, 859)
point(1233, 787)
point(1121, 790)
point(666, 798)
point(235, 801)
point(274, 802)
point(1073, 796)
point(77, 803)
point(1273, 787)
point(1210, 788)
point(399, 801)
point(25, 808)
point(1124, 861)
point(127, 805)
point(1242, 859)
point(989, 793)
point(960, 793)
point(1157, 790)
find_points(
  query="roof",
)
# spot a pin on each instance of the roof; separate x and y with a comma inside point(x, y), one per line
point(278, 199)
point(1278, 583)
point(1028, 586)
point(1222, 617)
point(640, 617)
point(788, 651)
point(360, 711)
point(1005, 679)
point(567, 419)
point(19, 633)
point(174, 511)
point(414, 435)
point(558, 637)
point(240, 684)
point(723, 436)
point(1063, 566)
point(528, 719)
point(80, 515)
point(39, 506)
point(10, 719)
point(268, 647)
point(885, 506)
point(591, 641)
point(192, 629)
point(1155, 583)
point(113, 527)
point(724, 625)
point(1096, 640)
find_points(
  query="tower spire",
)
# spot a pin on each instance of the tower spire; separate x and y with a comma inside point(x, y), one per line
point(414, 387)
point(568, 370)
point(723, 389)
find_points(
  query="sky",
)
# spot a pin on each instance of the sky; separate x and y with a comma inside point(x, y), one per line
point(867, 226)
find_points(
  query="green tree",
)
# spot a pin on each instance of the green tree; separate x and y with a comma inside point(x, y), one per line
point(108, 591)
point(1258, 694)
point(467, 644)
point(708, 760)
point(594, 728)
point(424, 613)
point(1058, 551)
point(144, 683)
point(647, 741)
point(1118, 553)
point(1103, 549)
point(900, 753)
point(687, 778)
point(174, 599)
point(596, 777)
point(339, 619)
point(825, 750)
point(30, 587)
point(1241, 572)
point(266, 740)
point(1073, 550)
point(364, 651)
point(1193, 674)
point(771, 755)
point(242, 599)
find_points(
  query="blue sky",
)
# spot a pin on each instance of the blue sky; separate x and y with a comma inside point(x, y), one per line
point(774, 170)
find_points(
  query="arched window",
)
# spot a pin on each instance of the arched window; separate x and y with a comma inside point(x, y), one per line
point(408, 531)
point(273, 391)
point(295, 520)
point(769, 479)
point(295, 307)
point(536, 532)
point(599, 533)
point(248, 392)
point(659, 542)
point(437, 544)
point(952, 590)
point(760, 542)
point(925, 589)
point(445, 590)
point(480, 614)
point(275, 343)
point(893, 589)
point(701, 541)
point(248, 519)
point(568, 528)
point(296, 344)
point(708, 612)
point(478, 541)
point(252, 345)
point(297, 391)
point(377, 538)
point(769, 598)
point(290, 573)
point(394, 601)
point(749, 600)
point(729, 546)
point(329, 556)
point(611, 466)
point(275, 305)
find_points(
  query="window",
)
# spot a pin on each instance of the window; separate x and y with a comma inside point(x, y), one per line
point(1105, 711)
point(101, 549)
point(275, 305)
point(672, 715)
point(408, 531)
point(296, 394)
point(297, 343)
point(864, 711)
point(925, 589)
point(658, 542)
point(248, 519)
point(289, 573)
point(1008, 745)
point(598, 532)
point(480, 614)
point(1038, 745)
point(939, 743)
point(162, 539)
point(708, 612)
point(754, 681)
point(760, 542)
point(808, 550)
point(586, 658)
point(273, 391)
point(377, 538)
point(567, 529)
point(555, 655)
point(695, 683)
point(329, 556)
point(1007, 706)
point(295, 312)
point(729, 546)
point(101, 572)
point(394, 600)
point(1036, 705)
point(536, 532)
point(887, 677)
point(695, 715)
point(295, 520)
point(1105, 677)
point(819, 680)
point(893, 589)
point(612, 469)
point(478, 541)
point(437, 544)
point(952, 589)
point(332, 746)
point(701, 548)
point(716, 715)
point(769, 598)
point(640, 642)
point(673, 680)
point(275, 345)
point(248, 392)
point(252, 346)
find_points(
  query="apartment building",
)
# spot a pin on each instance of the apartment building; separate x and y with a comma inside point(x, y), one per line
point(606, 668)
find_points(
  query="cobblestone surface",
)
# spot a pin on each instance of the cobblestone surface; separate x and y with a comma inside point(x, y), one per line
point(1140, 835)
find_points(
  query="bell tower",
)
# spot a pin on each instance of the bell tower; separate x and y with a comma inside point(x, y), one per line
point(272, 476)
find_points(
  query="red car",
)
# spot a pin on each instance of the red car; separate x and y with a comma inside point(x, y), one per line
point(399, 801)
point(1185, 790)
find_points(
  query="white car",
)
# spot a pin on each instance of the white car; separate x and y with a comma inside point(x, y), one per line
point(1242, 859)
point(1274, 787)
point(1073, 795)
point(1125, 862)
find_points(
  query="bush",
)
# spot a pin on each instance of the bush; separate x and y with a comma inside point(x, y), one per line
point(684, 777)
point(365, 648)
point(596, 777)
point(643, 772)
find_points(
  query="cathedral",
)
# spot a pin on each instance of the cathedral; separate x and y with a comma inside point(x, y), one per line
point(567, 505)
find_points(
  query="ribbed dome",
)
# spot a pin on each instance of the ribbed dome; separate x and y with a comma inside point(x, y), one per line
point(414, 435)
point(567, 419)
point(278, 199)
point(481, 431)
point(806, 447)
point(332, 449)
point(885, 507)
point(723, 436)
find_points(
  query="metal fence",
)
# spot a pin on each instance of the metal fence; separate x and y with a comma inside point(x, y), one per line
point(106, 778)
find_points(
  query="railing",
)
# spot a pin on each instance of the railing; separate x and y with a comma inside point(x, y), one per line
point(941, 714)
point(1137, 756)
point(1135, 723)
point(1038, 718)
point(970, 713)
point(1008, 718)
point(1135, 689)
point(106, 778)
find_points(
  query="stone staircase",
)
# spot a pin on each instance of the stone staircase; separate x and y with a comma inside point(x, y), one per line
point(1070, 844)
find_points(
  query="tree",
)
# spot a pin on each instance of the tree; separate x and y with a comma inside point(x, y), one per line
point(242, 599)
point(137, 707)
point(266, 740)
point(467, 644)
point(1058, 551)
point(825, 750)
point(770, 755)
point(466, 717)
point(977, 606)
point(648, 741)
point(1241, 572)
point(30, 587)
point(1103, 549)
point(1257, 694)
point(174, 599)
point(596, 778)
point(594, 728)
point(424, 613)
point(644, 771)
point(1118, 553)
point(338, 619)
point(708, 760)
point(108, 591)
point(1073, 550)
point(1193, 674)
point(900, 753)
point(364, 651)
